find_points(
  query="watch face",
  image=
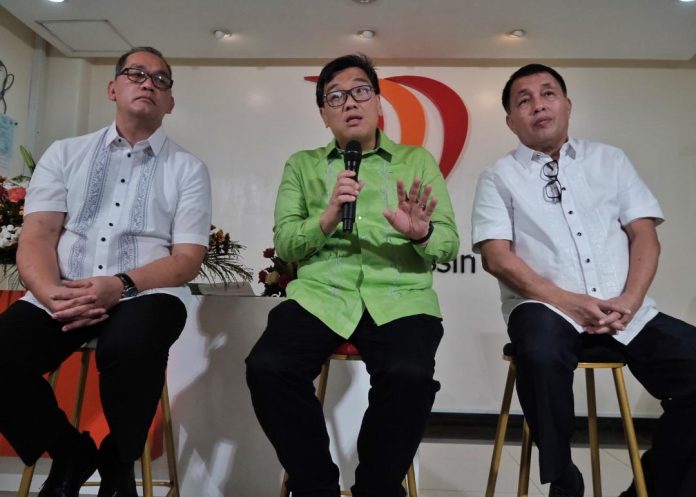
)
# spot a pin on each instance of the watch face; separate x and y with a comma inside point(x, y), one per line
point(129, 291)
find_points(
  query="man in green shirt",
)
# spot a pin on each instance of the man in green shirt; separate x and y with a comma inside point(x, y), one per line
point(371, 286)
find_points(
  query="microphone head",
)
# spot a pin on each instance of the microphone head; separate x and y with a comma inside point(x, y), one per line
point(353, 148)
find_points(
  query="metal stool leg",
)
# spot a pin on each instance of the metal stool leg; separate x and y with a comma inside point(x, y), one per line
point(525, 461)
point(411, 482)
point(593, 432)
point(500, 431)
point(146, 465)
point(629, 432)
point(169, 444)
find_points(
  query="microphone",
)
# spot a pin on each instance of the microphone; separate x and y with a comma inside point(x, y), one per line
point(352, 157)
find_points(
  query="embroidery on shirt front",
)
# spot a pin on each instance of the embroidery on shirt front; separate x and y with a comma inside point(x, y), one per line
point(127, 244)
point(96, 181)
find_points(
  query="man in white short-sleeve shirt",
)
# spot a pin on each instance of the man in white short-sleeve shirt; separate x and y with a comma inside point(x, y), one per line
point(568, 228)
point(116, 223)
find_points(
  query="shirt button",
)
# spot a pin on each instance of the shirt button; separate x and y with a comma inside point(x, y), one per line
point(118, 205)
point(587, 260)
point(100, 266)
point(570, 212)
point(103, 239)
point(594, 289)
point(128, 154)
point(111, 224)
point(563, 188)
point(123, 180)
point(579, 233)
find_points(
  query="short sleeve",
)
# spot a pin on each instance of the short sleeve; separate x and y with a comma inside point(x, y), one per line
point(491, 215)
point(47, 190)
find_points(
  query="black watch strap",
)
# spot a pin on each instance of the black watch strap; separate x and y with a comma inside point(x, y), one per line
point(129, 288)
point(426, 237)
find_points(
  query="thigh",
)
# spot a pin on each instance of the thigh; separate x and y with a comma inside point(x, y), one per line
point(404, 344)
point(294, 339)
point(30, 339)
point(663, 358)
point(143, 326)
point(537, 331)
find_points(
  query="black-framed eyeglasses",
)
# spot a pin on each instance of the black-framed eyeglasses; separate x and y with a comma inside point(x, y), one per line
point(361, 93)
point(160, 80)
point(553, 188)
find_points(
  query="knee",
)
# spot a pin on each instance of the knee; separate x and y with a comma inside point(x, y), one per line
point(411, 376)
point(544, 359)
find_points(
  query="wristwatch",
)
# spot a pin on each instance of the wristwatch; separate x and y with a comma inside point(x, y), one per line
point(426, 237)
point(129, 288)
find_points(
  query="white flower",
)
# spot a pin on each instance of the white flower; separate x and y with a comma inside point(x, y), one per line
point(9, 235)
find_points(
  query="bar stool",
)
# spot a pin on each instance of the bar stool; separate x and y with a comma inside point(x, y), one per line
point(591, 358)
point(146, 482)
point(348, 352)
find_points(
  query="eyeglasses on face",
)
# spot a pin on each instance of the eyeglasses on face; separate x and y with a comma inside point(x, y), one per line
point(361, 93)
point(160, 80)
point(553, 187)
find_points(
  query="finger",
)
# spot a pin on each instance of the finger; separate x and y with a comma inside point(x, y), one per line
point(430, 208)
point(413, 192)
point(423, 201)
point(610, 318)
point(390, 216)
point(82, 323)
point(401, 191)
point(71, 313)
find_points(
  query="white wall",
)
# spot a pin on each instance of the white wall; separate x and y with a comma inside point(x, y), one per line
point(245, 121)
point(16, 52)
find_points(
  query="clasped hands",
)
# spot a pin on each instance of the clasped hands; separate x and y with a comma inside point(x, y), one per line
point(411, 217)
point(85, 302)
point(598, 316)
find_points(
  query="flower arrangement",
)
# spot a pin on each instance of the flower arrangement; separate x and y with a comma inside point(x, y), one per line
point(12, 193)
point(277, 276)
point(221, 263)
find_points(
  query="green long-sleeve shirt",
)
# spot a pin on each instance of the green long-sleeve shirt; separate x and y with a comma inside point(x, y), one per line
point(374, 266)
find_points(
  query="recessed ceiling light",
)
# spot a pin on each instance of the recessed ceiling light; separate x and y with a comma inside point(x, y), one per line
point(364, 1)
point(366, 34)
point(687, 1)
point(222, 34)
point(56, 1)
point(516, 33)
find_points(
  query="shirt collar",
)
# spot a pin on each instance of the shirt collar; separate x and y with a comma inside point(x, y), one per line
point(529, 157)
point(385, 148)
point(155, 141)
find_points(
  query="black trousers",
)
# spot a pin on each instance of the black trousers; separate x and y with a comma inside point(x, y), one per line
point(400, 359)
point(662, 357)
point(131, 356)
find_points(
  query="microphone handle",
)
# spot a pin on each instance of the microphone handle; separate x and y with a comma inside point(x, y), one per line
point(348, 217)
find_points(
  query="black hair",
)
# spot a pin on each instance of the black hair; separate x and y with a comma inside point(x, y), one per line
point(528, 70)
point(361, 61)
point(122, 59)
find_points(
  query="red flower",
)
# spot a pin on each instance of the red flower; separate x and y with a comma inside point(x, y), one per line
point(262, 276)
point(16, 194)
point(269, 252)
point(284, 280)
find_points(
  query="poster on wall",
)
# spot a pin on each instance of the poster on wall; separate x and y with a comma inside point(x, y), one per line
point(7, 127)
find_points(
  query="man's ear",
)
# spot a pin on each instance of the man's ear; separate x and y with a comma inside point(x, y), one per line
point(111, 91)
point(322, 113)
point(510, 124)
point(171, 104)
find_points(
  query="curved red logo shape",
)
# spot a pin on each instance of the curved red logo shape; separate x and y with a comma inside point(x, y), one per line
point(412, 118)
